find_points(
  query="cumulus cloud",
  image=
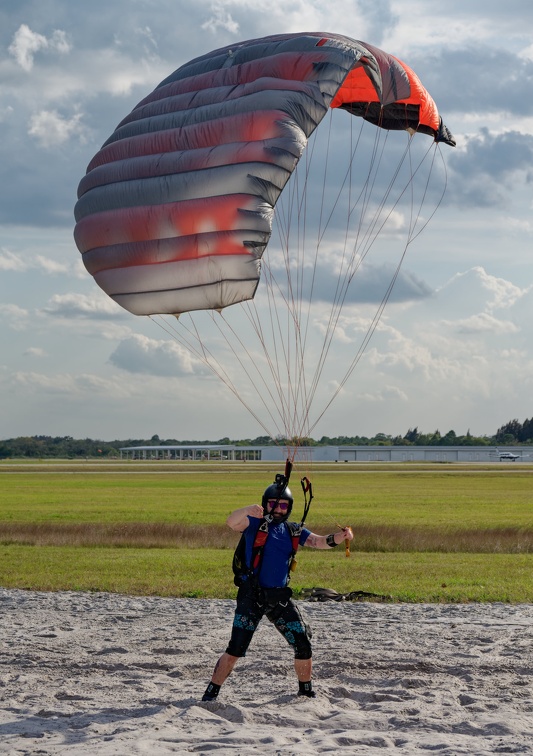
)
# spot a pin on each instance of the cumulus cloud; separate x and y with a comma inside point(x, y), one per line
point(11, 261)
point(490, 167)
point(402, 353)
point(50, 384)
point(385, 394)
point(16, 263)
point(374, 280)
point(220, 19)
point(348, 329)
point(482, 291)
point(93, 306)
point(367, 285)
point(52, 267)
point(26, 43)
point(483, 322)
point(521, 225)
point(503, 293)
point(14, 316)
point(491, 89)
point(52, 129)
point(13, 309)
point(139, 354)
point(469, 354)
point(69, 385)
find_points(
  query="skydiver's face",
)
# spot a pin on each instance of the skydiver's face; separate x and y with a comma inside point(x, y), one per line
point(278, 509)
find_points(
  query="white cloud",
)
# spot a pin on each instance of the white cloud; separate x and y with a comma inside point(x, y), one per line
point(147, 33)
point(14, 316)
point(113, 331)
point(52, 267)
point(461, 360)
point(11, 261)
point(476, 290)
point(524, 225)
point(140, 354)
point(387, 393)
point(16, 263)
point(504, 293)
point(403, 353)
point(13, 309)
point(26, 43)
point(95, 305)
point(483, 322)
point(348, 330)
point(35, 352)
point(220, 19)
point(58, 384)
point(67, 384)
point(51, 129)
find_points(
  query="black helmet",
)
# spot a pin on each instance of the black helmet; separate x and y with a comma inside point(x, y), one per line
point(278, 490)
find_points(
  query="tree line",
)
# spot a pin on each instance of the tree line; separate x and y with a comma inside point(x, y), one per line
point(66, 447)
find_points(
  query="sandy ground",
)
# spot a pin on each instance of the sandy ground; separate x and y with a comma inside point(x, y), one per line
point(108, 674)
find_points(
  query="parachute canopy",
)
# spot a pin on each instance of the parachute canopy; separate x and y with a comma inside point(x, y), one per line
point(175, 211)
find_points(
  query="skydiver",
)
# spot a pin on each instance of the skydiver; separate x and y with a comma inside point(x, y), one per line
point(264, 590)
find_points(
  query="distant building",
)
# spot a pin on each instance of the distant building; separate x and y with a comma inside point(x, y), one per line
point(234, 453)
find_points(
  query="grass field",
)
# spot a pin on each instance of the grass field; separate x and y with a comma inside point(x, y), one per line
point(423, 532)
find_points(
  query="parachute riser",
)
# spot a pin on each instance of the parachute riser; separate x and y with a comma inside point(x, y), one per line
point(307, 488)
point(282, 480)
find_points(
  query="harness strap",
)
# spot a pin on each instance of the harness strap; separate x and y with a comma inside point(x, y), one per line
point(261, 538)
point(259, 544)
point(295, 537)
point(296, 531)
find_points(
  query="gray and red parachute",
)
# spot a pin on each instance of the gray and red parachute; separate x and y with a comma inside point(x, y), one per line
point(175, 211)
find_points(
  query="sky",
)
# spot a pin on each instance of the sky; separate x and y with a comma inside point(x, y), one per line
point(453, 349)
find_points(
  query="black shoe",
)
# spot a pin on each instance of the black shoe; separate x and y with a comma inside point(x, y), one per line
point(307, 693)
point(211, 692)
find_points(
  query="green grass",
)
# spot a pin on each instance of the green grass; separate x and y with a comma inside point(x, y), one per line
point(207, 573)
point(423, 533)
point(422, 498)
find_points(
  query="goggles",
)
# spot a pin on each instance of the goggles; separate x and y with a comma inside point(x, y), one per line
point(281, 504)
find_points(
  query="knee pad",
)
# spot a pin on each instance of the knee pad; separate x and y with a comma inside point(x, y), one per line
point(239, 642)
point(302, 647)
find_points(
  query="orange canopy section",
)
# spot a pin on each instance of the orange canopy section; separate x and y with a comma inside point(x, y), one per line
point(385, 89)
